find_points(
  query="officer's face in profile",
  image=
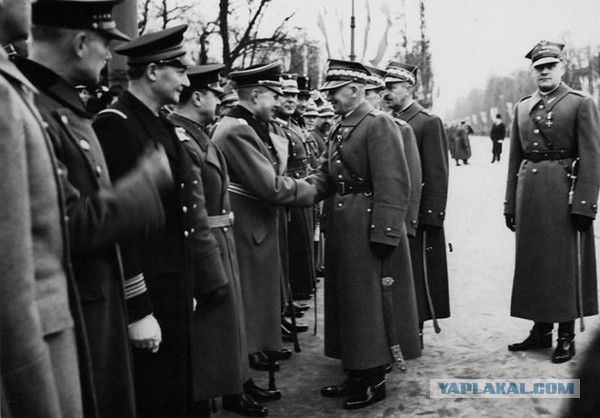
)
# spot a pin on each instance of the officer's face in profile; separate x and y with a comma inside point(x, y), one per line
point(93, 52)
point(265, 101)
point(288, 103)
point(343, 99)
point(396, 95)
point(209, 103)
point(548, 76)
point(169, 81)
point(15, 20)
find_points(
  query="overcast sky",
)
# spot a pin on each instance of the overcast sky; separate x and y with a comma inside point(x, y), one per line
point(470, 39)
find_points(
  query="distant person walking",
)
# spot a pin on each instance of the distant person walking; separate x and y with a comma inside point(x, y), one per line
point(462, 145)
point(497, 135)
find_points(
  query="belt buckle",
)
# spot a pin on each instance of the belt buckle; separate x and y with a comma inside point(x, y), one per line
point(342, 187)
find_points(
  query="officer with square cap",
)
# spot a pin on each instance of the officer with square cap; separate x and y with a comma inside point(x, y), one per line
point(265, 75)
point(545, 52)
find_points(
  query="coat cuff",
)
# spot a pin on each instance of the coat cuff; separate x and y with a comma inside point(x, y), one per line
point(209, 274)
point(585, 200)
point(137, 298)
point(432, 211)
point(387, 224)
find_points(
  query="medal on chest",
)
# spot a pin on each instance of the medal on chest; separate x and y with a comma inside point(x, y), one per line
point(549, 120)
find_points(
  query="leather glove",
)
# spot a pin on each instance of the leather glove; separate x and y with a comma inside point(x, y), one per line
point(145, 333)
point(382, 250)
point(214, 298)
point(582, 222)
point(510, 221)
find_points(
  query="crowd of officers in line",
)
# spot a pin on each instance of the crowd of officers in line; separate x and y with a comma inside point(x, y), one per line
point(158, 253)
point(151, 257)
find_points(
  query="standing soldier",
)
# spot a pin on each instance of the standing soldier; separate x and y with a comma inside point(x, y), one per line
point(218, 325)
point(99, 214)
point(370, 308)
point(323, 126)
point(258, 188)
point(301, 263)
point(157, 64)
point(497, 134)
point(310, 119)
point(462, 143)
point(551, 202)
point(428, 248)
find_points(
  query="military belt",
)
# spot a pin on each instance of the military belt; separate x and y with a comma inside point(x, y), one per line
point(344, 188)
point(220, 221)
point(536, 156)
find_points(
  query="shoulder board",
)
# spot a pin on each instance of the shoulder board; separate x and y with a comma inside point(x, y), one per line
point(578, 93)
point(242, 121)
point(425, 111)
point(181, 134)
point(376, 112)
point(114, 111)
point(280, 122)
point(524, 98)
point(400, 122)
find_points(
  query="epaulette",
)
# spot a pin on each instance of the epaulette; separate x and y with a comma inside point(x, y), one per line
point(115, 111)
point(578, 93)
point(524, 98)
point(376, 112)
point(242, 121)
point(181, 134)
point(400, 122)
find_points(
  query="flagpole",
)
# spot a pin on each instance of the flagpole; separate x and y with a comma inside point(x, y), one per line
point(352, 26)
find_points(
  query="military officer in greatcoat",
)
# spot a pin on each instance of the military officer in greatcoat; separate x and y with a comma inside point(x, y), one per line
point(99, 213)
point(370, 308)
point(258, 187)
point(157, 63)
point(551, 202)
point(374, 88)
point(218, 323)
point(428, 248)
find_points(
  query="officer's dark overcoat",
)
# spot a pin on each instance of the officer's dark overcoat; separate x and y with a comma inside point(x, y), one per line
point(373, 155)
point(433, 150)
point(537, 192)
point(219, 351)
point(162, 380)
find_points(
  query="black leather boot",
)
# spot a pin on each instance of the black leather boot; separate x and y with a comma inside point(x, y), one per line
point(260, 361)
point(340, 390)
point(283, 354)
point(565, 348)
point(300, 326)
point(535, 340)
point(366, 391)
point(259, 394)
point(244, 405)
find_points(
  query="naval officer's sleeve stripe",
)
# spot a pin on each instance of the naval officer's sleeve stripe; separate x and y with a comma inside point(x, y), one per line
point(135, 286)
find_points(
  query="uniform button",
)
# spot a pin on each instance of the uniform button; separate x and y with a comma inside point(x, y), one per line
point(536, 131)
point(339, 176)
point(186, 234)
point(541, 106)
point(340, 205)
point(368, 210)
point(192, 231)
point(339, 161)
point(372, 226)
point(84, 144)
point(225, 229)
point(534, 170)
point(429, 211)
point(66, 219)
point(413, 222)
point(45, 125)
point(583, 202)
point(195, 182)
point(182, 185)
point(59, 171)
point(98, 170)
point(388, 229)
point(538, 118)
point(64, 119)
point(184, 209)
point(194, 206)
point(535, 144)
point(223, 211)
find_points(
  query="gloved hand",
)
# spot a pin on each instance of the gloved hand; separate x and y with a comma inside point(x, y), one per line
point(214, 298)
point(145, 333)
point(382, 250)
point(510, 221)
point(582, 222)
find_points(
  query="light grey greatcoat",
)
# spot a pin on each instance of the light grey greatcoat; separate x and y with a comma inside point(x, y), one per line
point(544, 286)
